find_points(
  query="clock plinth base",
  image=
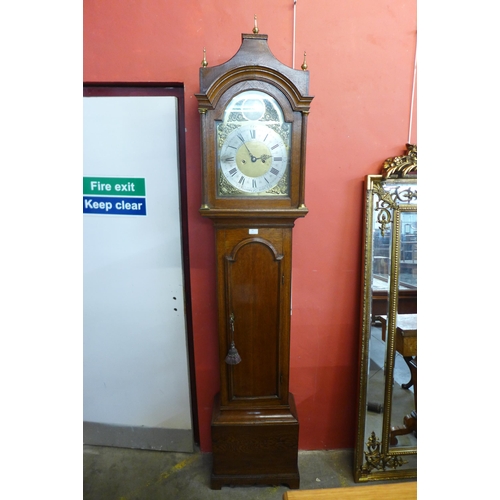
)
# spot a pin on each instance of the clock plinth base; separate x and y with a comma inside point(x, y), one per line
point(255, 446)
point(290, 480)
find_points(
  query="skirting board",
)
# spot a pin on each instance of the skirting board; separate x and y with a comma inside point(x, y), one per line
point(143, 438)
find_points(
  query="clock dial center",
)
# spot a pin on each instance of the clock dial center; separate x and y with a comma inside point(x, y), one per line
point(253, 159)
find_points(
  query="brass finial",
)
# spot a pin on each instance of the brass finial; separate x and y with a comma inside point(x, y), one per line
point(304, 64)
point(255, 27)
point(204, 63)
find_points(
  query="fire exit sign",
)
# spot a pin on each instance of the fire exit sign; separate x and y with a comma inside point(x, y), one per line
point(114, 195)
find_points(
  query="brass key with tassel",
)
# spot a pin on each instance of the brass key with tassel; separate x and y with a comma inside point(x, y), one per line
point(233, 356)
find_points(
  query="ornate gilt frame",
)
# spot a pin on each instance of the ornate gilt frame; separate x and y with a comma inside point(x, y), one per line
point(389, 194)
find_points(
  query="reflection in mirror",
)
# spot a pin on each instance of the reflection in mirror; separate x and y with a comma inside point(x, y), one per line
point(404, 401)
point(386, 444)
point(380, 281)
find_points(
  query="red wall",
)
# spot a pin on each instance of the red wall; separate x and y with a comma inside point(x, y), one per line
point(361, 59)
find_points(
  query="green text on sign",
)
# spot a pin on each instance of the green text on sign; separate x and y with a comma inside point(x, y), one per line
point(114, 186)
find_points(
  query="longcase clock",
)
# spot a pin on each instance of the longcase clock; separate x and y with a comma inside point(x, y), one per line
point(254, 113)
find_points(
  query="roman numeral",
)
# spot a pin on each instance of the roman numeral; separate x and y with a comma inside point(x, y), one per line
point(254, 183)
point(278, 158)
point(252, 134)
point(233, 171)
point(240, 137)
point(275, 146)
point(228, 159)
point(274, 171)
point(242, 180)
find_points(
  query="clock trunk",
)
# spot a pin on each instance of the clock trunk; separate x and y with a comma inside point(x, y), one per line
point(254, 424)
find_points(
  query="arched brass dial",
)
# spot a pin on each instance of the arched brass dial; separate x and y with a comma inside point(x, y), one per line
point(253, 151)
point(253, 158)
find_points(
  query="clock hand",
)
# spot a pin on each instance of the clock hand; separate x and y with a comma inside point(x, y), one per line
point(252, 157)
point(264, 158)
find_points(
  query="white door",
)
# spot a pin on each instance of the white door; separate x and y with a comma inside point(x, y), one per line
point(136, 378)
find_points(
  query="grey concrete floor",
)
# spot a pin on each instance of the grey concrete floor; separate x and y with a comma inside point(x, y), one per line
point(125, 474)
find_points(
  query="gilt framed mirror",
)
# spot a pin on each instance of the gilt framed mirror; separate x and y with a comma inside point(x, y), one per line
point(386, 441)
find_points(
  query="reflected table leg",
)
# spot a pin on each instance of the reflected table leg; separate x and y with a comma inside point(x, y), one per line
point(410, 383)
point(410, 421)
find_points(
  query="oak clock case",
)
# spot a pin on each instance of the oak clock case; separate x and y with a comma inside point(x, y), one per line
point(254, 113)
point(386, 441)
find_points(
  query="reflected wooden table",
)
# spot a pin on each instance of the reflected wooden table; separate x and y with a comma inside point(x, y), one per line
point(406, 345)
point(392, 491)
point(406, 339)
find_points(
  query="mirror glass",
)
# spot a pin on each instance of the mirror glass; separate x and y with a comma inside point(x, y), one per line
point(403, 407)
point(386, 446)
